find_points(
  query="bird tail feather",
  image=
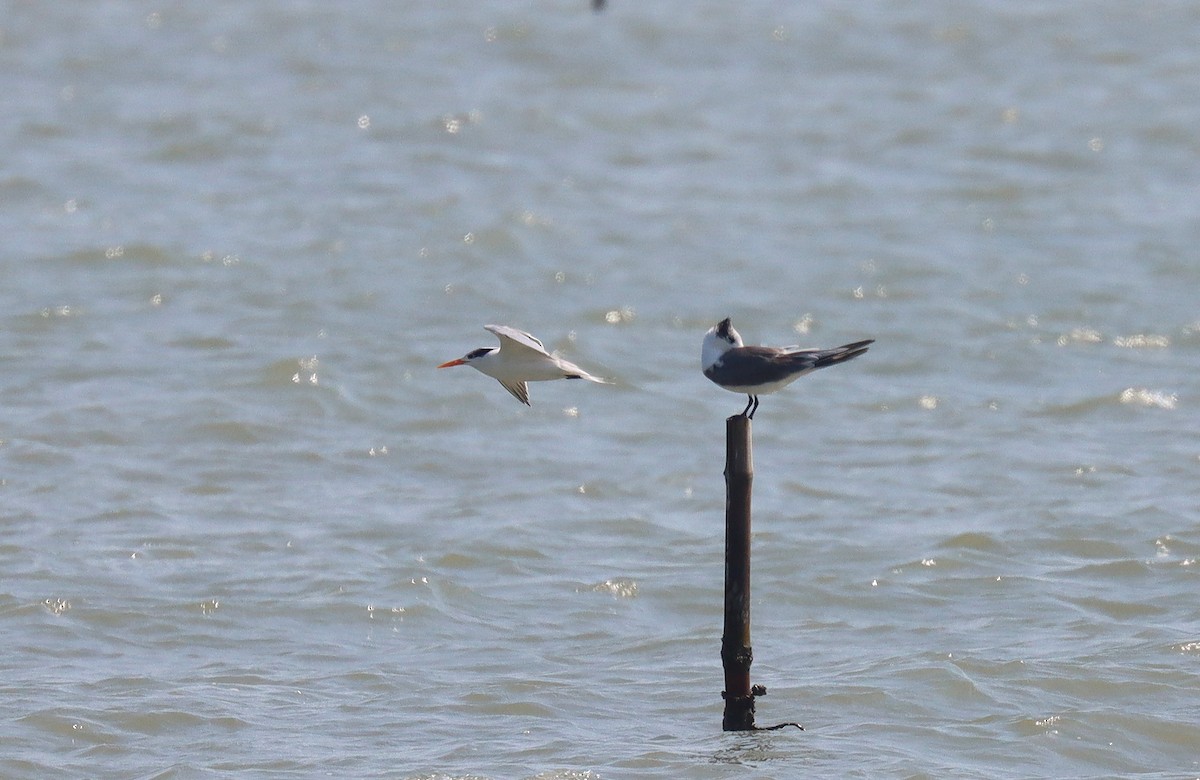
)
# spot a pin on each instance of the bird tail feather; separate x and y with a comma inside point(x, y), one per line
point(590, 378)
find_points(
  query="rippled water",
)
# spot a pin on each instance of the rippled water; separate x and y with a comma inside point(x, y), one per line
point(246, 528)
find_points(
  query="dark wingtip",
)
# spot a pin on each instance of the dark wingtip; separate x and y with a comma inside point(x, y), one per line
point(843, 353)
point(854, 350)
point(857, 347)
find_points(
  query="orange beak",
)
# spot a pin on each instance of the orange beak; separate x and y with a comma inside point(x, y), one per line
point(449, 363)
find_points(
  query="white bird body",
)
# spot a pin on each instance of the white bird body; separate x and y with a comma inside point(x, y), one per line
point(520, 358)
point(755, 371)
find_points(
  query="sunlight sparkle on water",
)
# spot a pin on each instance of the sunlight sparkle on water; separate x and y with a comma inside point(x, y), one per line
point(1140, 396)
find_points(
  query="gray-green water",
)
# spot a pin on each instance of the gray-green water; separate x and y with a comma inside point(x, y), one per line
point(246, 529)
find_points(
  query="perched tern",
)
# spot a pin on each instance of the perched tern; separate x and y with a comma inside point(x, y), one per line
point(520, 358)
point(757, 371)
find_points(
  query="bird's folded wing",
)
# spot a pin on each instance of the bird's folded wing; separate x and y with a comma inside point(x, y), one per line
point(749, 366)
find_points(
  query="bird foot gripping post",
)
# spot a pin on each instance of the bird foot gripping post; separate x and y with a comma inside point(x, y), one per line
point(736, 653)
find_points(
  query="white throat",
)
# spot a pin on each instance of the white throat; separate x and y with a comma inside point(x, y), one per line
point(715, 347)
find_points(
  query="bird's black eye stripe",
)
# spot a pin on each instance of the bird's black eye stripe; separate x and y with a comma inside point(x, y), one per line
point(477, 353)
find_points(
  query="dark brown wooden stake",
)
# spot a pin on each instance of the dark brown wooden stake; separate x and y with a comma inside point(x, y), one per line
point(736, 654)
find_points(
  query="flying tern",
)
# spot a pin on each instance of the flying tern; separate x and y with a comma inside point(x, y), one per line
point(520, 358)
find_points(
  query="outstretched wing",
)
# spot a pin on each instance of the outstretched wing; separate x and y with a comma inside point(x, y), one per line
point(519, 390)
point(516, 339)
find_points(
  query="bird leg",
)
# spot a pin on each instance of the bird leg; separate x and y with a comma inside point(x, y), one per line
point(748, 413)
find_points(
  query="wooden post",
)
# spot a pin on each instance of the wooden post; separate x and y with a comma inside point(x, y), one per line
point(736, 654)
